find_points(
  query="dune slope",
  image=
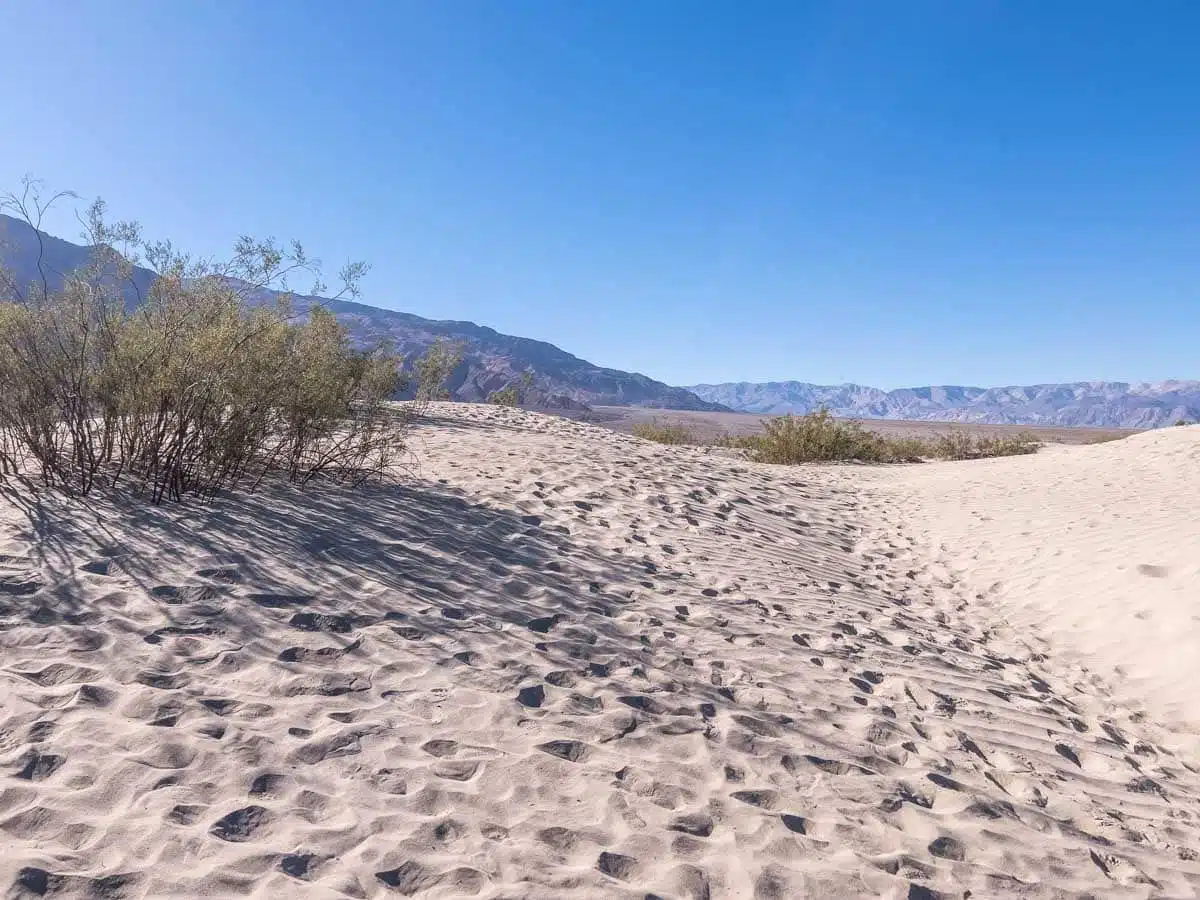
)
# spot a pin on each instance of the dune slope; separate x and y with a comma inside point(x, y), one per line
point(1095, 550)
point(560, 662)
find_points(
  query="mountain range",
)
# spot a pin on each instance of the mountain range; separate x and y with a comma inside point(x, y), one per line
point(493, 360)
point(1109, 404)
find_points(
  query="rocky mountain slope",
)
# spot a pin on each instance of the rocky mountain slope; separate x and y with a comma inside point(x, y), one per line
point(1098, 403)
point(492, 360)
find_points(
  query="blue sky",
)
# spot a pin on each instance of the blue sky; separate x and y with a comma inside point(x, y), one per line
point(969, 191)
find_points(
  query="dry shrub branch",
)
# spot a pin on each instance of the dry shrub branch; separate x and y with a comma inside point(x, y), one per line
point(177, 385)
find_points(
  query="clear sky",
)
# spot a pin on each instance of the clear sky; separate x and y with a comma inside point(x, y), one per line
point(893, 193)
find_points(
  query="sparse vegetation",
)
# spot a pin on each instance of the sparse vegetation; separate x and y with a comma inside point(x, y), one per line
point(434, 367)
point(184, 389)
point(664, 434)
point(1106, 438)
point(960, 445)
point(1180, 422)
point(514, 394)
point(819, 437)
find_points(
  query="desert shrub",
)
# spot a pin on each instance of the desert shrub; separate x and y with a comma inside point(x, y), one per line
point(961, 445)
point(664, 434)
point(816, 437)
point(1106, 438)
point(747, 442)
point(819, 437)
point(1181, 422)
point(434, 367)
point(183, 388)
point(507, 396)
point(514, 393)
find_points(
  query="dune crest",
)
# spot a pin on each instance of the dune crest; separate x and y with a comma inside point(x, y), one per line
point(561, 662)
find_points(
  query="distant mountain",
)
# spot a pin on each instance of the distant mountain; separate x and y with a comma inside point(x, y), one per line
point(494, 360)
point(30, 255)
point(491, 362)
point(1108, 404)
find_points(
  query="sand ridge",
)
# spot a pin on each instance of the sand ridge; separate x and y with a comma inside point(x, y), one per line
point(560, 662)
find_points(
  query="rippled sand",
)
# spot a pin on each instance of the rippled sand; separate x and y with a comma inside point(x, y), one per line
point(562, 662)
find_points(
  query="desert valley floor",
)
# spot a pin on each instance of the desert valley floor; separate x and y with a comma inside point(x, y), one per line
point(560, 662)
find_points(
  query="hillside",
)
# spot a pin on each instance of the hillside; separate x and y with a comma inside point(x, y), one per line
point(1104, 404)
point(491, 362)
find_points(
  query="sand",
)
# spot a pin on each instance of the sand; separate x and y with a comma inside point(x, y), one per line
point(562, 662)
point(1093, 552)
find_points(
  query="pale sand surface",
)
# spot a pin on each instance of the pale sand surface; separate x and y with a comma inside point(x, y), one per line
point(561, 662)
point(1095, 551)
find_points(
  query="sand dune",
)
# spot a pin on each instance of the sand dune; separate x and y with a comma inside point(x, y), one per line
point(1095, 550)
point(562, 662)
